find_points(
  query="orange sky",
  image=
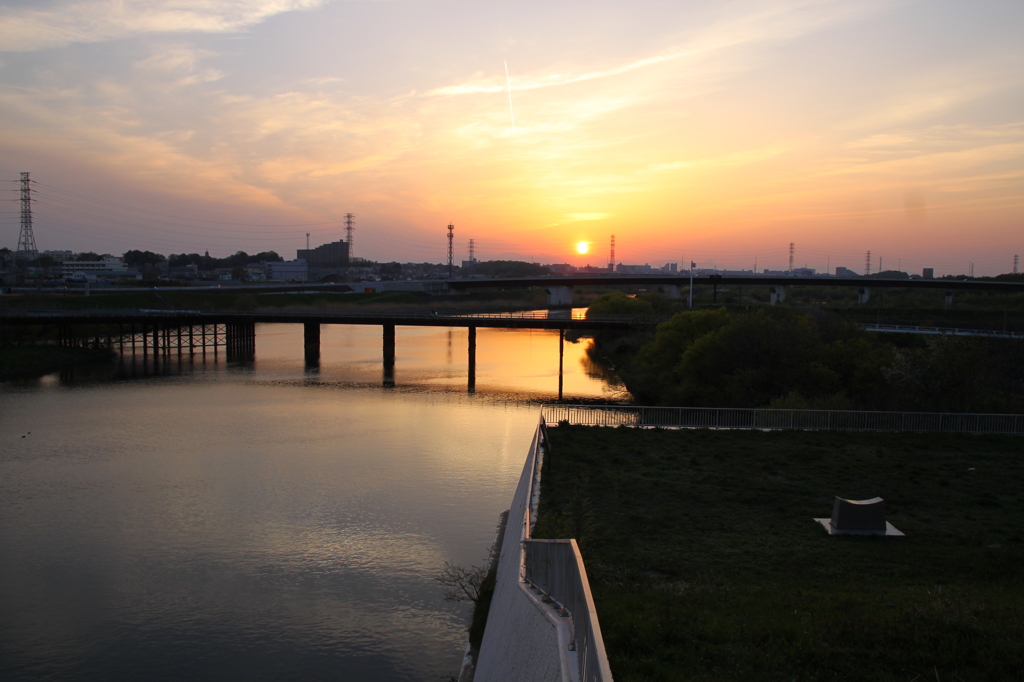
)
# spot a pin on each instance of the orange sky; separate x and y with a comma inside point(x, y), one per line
point(717, 132)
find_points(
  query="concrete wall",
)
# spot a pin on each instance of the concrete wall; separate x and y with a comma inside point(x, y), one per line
point(523, 638)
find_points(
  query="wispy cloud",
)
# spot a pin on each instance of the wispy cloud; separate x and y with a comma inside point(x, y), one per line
point(24, 28)
point(763, 24)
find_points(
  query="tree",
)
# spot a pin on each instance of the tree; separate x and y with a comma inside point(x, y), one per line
point(139, 258)
point(462, 583)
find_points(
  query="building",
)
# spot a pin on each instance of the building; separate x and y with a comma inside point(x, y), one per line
point(287, 271)
point(109, 268)
point(108, 263)
point(624, 269)
point(333, 255)
point(928, 273)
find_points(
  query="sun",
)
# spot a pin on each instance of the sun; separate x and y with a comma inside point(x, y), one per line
point(582, 247)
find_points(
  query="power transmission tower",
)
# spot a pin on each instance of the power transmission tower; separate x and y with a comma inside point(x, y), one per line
point(611, 257)
point(1016, 262)
point(867, 264)
point(472, 251)
point(350, 228)
point(451, 251)
point(792, 250)
point(26, 240)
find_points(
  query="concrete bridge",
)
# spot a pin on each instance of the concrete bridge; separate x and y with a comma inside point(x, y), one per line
point(560, 289)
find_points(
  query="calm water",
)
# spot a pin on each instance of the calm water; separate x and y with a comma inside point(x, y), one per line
point(261, 521)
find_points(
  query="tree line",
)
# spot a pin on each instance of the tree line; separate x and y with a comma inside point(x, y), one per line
point(786, 358)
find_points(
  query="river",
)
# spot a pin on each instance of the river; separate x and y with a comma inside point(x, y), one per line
point(204, 520)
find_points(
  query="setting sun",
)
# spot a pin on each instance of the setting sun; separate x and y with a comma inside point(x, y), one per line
point(583, 247)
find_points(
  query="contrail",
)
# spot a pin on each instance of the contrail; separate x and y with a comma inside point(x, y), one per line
point(511, 113)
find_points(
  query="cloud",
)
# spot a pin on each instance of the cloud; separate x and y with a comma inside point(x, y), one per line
point(772, 24)
point(88, 21)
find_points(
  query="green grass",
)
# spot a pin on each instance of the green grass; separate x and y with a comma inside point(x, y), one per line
point(706, 565)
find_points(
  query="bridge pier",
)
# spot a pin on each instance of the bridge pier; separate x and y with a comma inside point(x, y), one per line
point(389, 355)
point(561, 360)
point(471, 382)
point(863, 294)
point(311, 344)
point(240, 339)
point(949, 298)
point(778, 293)
point(559, 295)
point(672, 291)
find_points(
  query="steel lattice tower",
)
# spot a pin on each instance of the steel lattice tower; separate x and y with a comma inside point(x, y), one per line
point(792, 251)
point(451, 251)
point(350, 228)
point(1016, 262)
point(867, 264)
point(26, 240)
point(611, 256)
point(472, 250)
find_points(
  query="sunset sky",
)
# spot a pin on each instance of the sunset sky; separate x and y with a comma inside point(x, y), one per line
point(713, 131)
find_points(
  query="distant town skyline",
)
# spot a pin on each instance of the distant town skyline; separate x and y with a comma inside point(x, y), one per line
point(712, 132)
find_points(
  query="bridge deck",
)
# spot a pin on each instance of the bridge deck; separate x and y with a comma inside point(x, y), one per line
point(186, 317)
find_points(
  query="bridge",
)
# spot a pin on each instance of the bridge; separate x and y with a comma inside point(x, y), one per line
point(560, 288)
point(160, 333)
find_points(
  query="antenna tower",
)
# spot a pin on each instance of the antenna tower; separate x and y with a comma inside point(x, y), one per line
point(26, 240)
point(1016, 262)
point(350, 227)
point(451, 251)
point(867, 264)
point(792, 251)
point(472, 250)
point(611, 258)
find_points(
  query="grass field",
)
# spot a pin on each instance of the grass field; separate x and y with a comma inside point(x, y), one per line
point(706, 564)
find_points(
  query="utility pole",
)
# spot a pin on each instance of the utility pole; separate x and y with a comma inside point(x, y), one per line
point(690, 302)
point(26, 240)
point(451, 251)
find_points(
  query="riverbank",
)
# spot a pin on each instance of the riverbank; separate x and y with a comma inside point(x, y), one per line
point(705, 562)
point(27, 362)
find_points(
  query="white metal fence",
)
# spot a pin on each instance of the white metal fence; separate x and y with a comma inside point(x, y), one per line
point(766, 419)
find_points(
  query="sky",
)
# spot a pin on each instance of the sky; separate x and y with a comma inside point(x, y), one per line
point(713, 131)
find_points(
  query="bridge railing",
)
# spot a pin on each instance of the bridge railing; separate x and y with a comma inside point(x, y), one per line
point(768, 419)
point(952, 331)
point(555, 568)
